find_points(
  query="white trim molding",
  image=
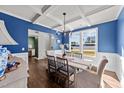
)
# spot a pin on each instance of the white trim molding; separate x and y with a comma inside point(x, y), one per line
point(119, 69)
point(115, 64)
point(14, 15)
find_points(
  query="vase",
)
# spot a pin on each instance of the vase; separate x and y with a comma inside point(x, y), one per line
point(3, 60)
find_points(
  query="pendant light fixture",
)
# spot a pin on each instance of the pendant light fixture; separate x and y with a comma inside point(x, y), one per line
point(64, 14)
point(64, 30)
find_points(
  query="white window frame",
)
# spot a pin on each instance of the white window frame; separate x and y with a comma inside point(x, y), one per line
point(81, 36)
point(96, 28)
point(70, 41)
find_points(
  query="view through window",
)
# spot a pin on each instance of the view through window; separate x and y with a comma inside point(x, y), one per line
point(75, 42)
point(85, 42)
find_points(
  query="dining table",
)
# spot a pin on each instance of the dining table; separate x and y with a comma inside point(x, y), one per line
point(81, 63)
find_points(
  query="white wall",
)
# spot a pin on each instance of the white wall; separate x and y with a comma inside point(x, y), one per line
point(115, 64)
point(111, 60)
point(120, 69)
point(43, 45)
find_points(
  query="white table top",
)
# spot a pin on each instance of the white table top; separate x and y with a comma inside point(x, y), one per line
point(77, 62)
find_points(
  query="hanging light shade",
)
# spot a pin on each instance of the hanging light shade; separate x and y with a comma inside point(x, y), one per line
point(5, 38)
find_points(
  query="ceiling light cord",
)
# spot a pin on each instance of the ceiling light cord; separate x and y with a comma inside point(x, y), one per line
point(64, 14)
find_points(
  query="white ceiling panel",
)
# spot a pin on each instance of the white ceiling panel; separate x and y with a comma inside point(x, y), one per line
point(22, 11)
point(76, 17)
point(69, 10)
point(78, 24)
point(89, 8)
point(47, 21)
point(37, 6)
point(104, 16)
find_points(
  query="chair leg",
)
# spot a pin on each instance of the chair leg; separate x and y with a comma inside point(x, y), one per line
point(102, 85)
point(74, 77)
point(48, 69)
point(68, 81)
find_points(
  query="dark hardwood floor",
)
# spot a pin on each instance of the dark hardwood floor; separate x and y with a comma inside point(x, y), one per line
point(38, 76)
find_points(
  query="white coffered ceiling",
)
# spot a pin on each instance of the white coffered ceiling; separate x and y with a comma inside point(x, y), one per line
point(76, 15)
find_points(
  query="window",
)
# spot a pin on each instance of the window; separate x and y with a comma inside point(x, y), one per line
point(89, 41)
point(85, 42)
point(75, 42)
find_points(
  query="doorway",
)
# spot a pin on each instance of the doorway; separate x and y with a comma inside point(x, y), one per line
point(38, 43)
point(33, 46)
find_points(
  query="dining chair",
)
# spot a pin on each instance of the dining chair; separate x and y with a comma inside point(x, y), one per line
point(53, 68)
point(51, 64)
point(88, 79)
point(66, 71)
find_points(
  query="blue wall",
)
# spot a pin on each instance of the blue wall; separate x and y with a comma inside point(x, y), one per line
point(110, 34)
point(18, 29)
point(120, 34)
point(107, 39)
point(65, 38)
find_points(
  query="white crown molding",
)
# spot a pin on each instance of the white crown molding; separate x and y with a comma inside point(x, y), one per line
point(14, 15)
point(11, 14)
point(119, 12)
point(46, 26)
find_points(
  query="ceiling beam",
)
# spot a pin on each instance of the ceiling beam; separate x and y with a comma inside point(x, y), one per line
point(45, 11)
point(58, 21)
point(81, 13)
point(50, 9)
point(45, 8)
point(35, 9)
point(86, 15)
point(40, 13)
point(35, 18)
point(68, 21)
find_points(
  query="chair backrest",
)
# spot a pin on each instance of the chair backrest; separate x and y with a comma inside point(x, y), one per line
point(102, 66)
point(63, 62)
point(78, 55)
point(51, 61)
